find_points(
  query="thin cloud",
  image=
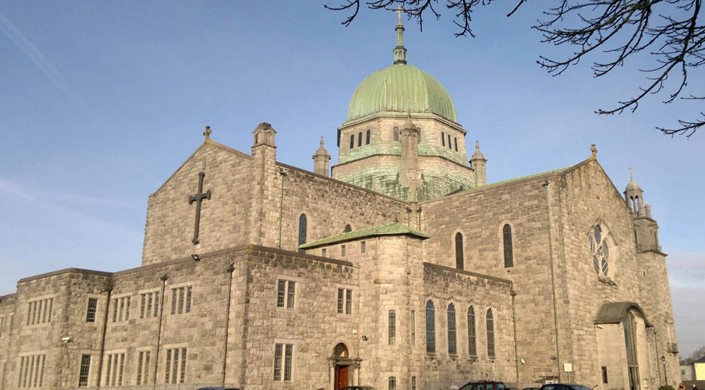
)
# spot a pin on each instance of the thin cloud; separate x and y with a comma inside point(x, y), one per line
point(52, 197)
point(13, 34)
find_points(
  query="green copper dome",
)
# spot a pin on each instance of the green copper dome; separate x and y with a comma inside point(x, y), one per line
point(400, 88)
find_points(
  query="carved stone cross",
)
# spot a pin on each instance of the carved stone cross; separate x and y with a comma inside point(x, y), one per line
point(198, 198)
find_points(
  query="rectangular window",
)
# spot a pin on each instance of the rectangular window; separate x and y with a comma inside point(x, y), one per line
point(143, 367)
point(283, 362)
point(39, 311)
point(413, 383)
point(2, 324)
point(449, 145)
point(286, 292)
point(181, 299)
point(604, 374)
point(412, 327)
point(342, 250)
point(362, 247)
point(91, 309)
point(84, 370)
point(31, 372)
point(149, 304)
point(456, 144)
point(392, 327)
point(392, 383)
point(114, 369)
point(324, 252)
point(175, 367)
point(443, 139)
point(121, 309)
point(344, 301)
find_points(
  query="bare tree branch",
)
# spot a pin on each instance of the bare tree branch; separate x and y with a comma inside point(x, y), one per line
point(668, 32)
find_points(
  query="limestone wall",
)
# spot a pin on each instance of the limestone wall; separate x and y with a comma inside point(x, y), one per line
point(224, 219)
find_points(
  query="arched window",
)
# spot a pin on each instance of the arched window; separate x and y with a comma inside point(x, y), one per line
point(396, 134)
point(472, 339)
point(392, 383)
point(368, 137)
point(359, 139)
point(340, 351)
point(430, 327)
point(347, 228)
point(508, 251)
point(452, 345)
point(302, 230)
point(459, 256)
point(630, 340)
point(490, 334)
point(599, 250)
point(352, 141)
point(392, 327)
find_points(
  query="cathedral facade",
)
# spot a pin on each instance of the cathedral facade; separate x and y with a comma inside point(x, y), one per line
point(399, 268)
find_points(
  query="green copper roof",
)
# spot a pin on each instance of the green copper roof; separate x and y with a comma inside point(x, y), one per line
point(400, 88)
point(391, 229)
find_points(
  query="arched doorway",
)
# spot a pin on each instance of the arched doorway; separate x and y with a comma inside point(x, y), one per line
point(345, 369)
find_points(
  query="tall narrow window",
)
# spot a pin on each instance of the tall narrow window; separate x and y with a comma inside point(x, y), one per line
point(456, 143)
point(283, 356)
point(396, 134)
point(443, 138)
point(352, 141)
point(114, 369)
point(90, 311)
point(359, 139)
point(392, 383)
point(143, 368)
point(490, 334)
point(84, 370)
point(508, 250)
point(449, 145)
point(459, 256)
point(392, 327)
point(412, 327)
point(413, 383)
point(302, 230)
point(344, 301)
point(286, 292)
point(368, 137)
point(630, 341)
point(472, 339)
point(452, 346)
point(175, 367)
point(430, 327)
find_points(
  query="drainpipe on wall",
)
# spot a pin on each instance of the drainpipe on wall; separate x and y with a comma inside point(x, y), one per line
point(229, 270)
point(514, 324)
point(553, 280)
point(163, 278)
point(109, 289)
point(281, 206)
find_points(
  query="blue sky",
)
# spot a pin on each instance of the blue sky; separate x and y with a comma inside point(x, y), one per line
point(101, 101)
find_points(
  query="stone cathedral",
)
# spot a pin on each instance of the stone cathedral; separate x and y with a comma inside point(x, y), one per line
point(400, 267)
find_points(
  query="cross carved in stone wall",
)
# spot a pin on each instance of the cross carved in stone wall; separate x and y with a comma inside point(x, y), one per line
point(198, 198)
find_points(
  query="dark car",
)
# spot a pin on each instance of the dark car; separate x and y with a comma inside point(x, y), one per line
point(483, 385)
point(564, 386)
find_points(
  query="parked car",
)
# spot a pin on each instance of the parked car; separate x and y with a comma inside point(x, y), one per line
point(483, 385)
point(564, 386)
point(358, 388)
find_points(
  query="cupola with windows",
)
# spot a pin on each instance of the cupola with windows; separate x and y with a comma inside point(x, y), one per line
point(378, 150)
